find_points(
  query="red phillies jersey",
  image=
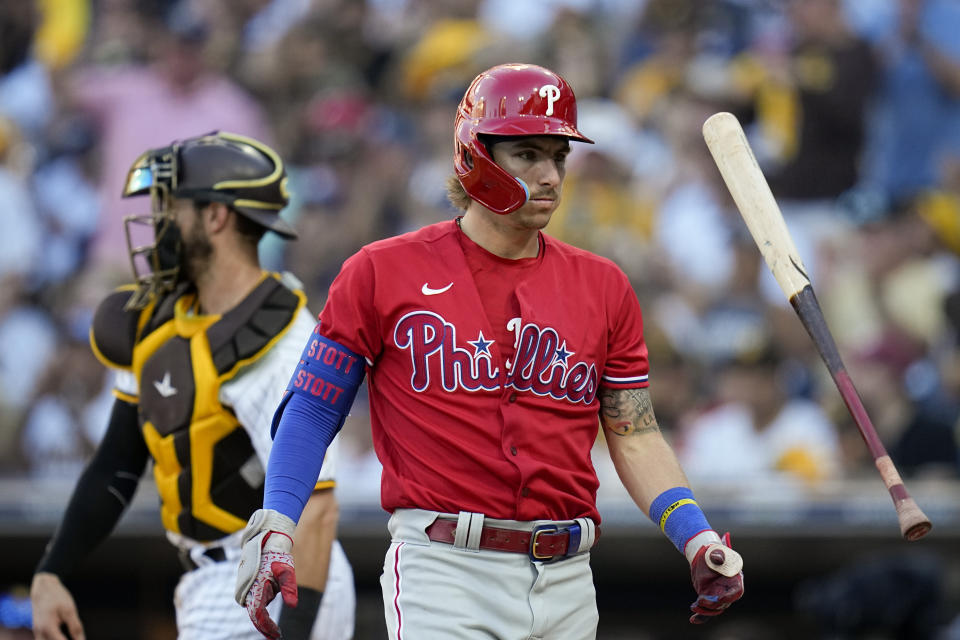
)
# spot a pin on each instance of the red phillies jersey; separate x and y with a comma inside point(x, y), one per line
point(458, 426)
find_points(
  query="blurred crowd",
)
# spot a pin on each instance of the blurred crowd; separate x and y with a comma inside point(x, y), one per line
point(852, 108)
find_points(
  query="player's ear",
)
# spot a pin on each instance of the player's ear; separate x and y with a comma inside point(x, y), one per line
point(216, 216)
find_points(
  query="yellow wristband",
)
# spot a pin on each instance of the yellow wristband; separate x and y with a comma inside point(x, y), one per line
point(672, 508)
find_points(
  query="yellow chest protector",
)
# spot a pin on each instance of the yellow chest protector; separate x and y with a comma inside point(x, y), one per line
point(207, 472)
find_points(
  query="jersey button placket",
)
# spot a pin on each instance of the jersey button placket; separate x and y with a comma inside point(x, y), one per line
point(513, 451)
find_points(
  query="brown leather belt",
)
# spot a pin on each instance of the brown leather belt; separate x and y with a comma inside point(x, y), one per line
point(544, 543)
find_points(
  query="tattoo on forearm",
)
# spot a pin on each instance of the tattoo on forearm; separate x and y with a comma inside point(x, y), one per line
point(626, 412)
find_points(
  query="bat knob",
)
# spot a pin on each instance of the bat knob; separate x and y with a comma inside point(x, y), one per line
point(723, 560)
point(717, 556)
point(914, 524)
point(917, 531)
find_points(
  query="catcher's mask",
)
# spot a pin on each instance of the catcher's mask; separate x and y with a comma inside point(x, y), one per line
point(508, 100)
point(240, 172)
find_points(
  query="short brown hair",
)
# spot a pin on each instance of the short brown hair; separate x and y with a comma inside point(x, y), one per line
point(456, 194)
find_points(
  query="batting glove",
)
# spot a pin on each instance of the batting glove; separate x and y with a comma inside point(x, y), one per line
point(717, 574)
point(266, 568)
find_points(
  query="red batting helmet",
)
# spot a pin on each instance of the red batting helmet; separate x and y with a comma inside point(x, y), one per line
point(508, 100)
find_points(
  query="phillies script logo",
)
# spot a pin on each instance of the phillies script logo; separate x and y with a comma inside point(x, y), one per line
point(541, 365)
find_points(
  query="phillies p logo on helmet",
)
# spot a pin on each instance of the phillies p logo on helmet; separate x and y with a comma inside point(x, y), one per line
point(552, 93)
point(508, 100)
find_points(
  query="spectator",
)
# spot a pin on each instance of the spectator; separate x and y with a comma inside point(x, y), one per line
point(758, 434)
point(919, 103)
point(52, 444)
point(25, 92)
point(832, 74)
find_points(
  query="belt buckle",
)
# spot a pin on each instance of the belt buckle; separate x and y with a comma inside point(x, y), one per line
point(534, 539)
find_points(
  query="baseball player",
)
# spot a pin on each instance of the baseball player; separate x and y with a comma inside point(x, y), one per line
point(490, 349)
point(202, 347)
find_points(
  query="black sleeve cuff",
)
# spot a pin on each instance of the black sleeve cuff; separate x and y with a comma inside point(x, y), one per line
point(297, 623)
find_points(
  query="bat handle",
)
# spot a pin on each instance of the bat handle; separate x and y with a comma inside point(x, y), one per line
point(914, 524)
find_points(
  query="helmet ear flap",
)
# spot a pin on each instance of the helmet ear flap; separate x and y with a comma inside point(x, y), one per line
point(493, 187)
point(482, 178)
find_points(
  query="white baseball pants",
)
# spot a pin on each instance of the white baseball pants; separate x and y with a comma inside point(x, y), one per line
point(437, 591)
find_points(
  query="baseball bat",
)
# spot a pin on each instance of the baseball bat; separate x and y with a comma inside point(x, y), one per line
point(751, 193)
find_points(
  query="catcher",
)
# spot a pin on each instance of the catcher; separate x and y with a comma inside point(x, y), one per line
point(202, 347)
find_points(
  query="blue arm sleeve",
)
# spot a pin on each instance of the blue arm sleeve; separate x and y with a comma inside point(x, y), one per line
point(305, 431)
point(314, 408)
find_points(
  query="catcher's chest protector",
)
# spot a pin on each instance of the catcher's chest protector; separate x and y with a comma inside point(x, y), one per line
point(207, 472)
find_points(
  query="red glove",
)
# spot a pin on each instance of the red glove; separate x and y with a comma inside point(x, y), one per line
point(717, 574)
point(266, 568)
